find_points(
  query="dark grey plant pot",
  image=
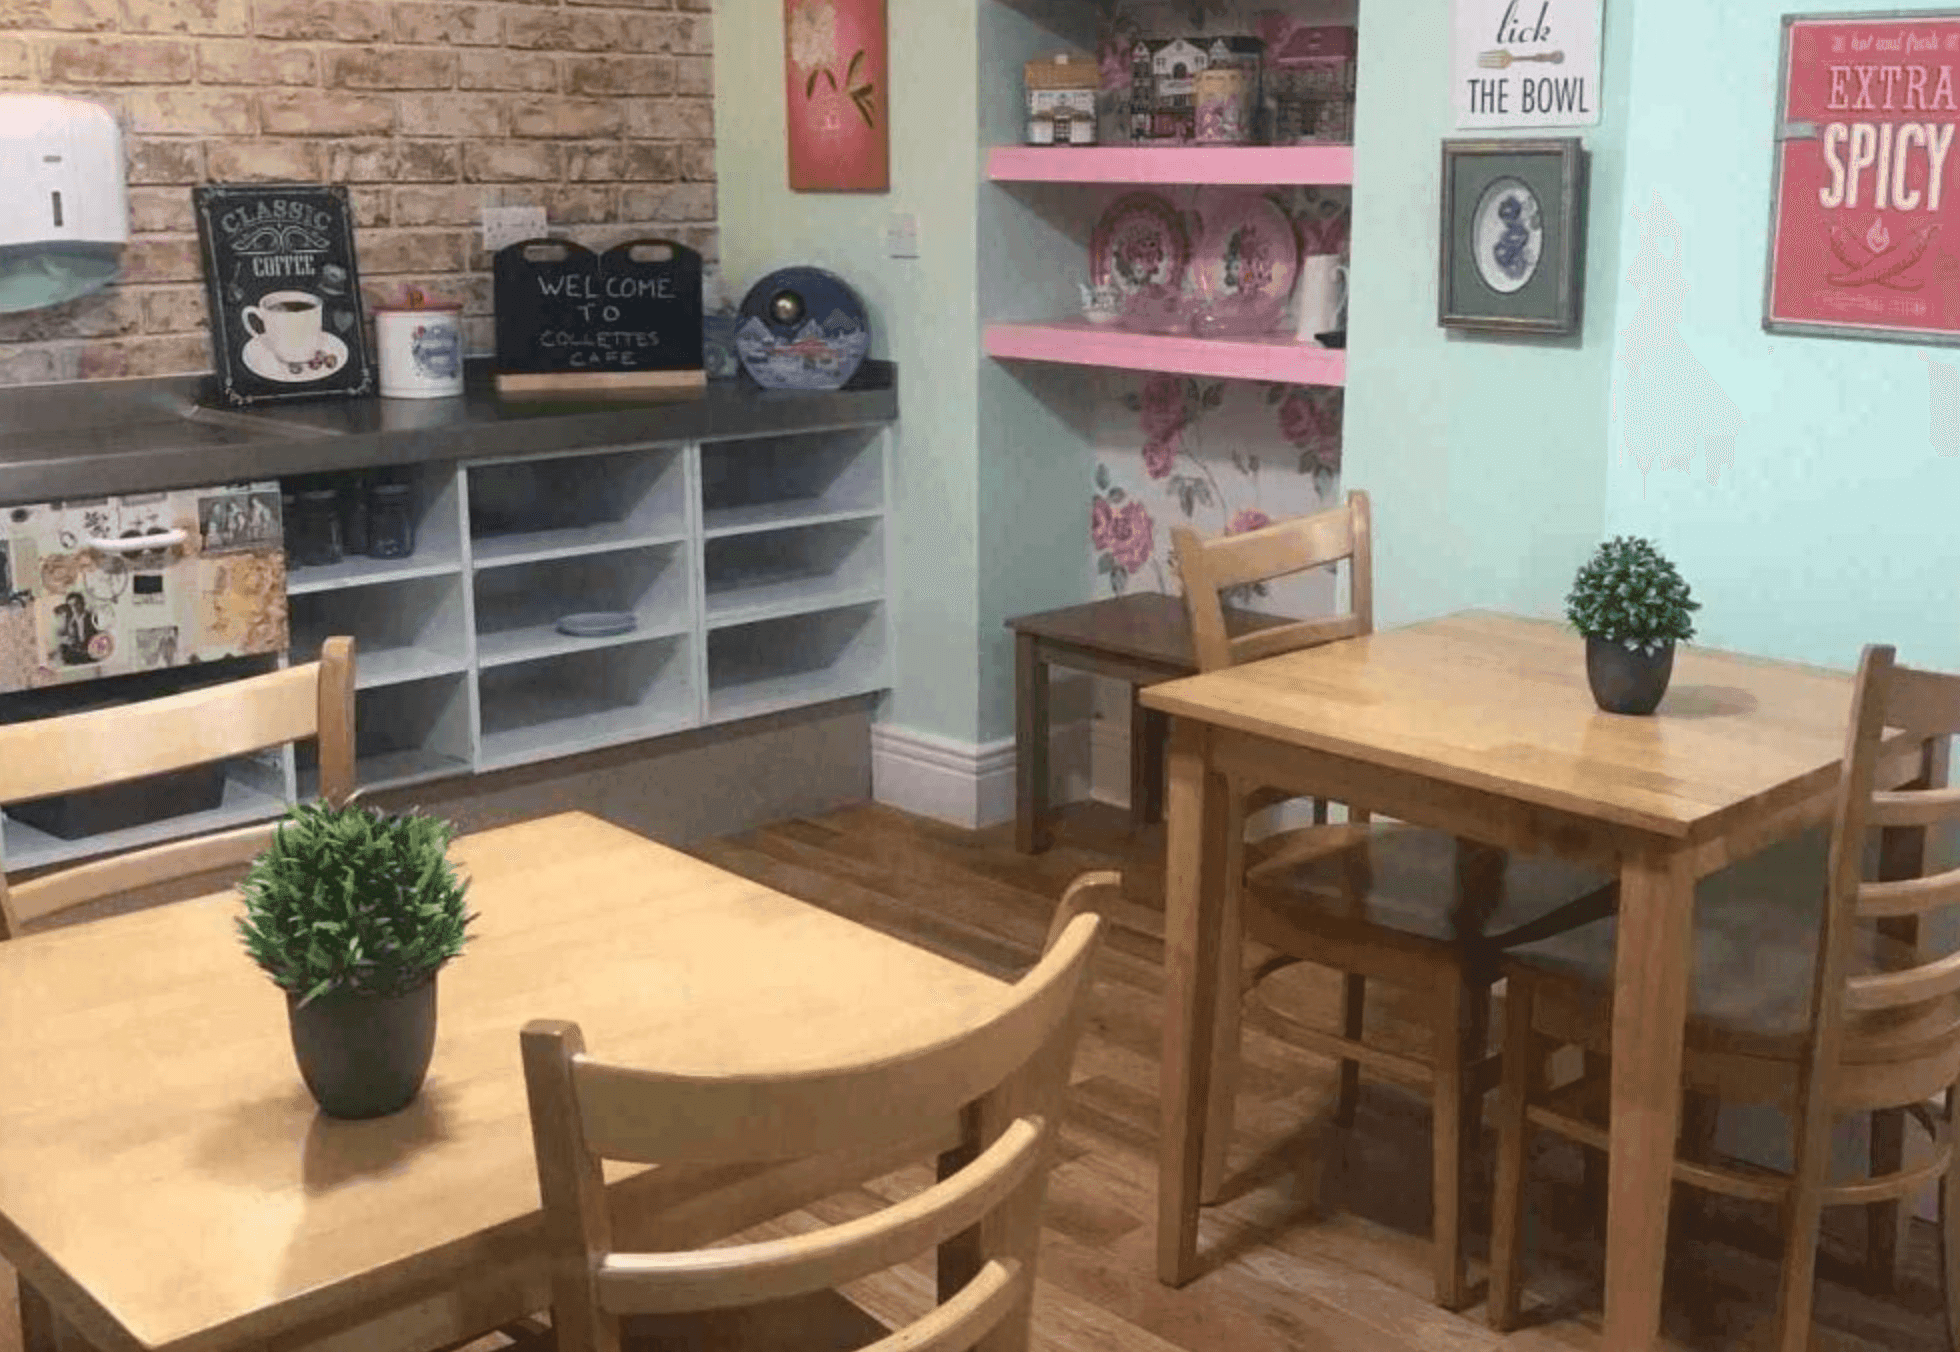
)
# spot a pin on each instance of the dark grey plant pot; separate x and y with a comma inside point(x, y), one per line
point(1628, 680)
point(361, 1055)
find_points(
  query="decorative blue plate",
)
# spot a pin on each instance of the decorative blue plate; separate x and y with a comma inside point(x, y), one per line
point(802, 329)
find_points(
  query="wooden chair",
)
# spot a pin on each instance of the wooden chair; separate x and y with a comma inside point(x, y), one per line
point(1413, 907)
point(1005, 1081)
point(111, 746)
point(1812, 992)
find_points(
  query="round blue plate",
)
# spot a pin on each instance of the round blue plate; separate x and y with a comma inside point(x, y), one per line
point(802, 329)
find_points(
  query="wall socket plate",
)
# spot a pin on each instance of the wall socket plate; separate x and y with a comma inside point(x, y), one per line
point(504, 226)
point(902, 235)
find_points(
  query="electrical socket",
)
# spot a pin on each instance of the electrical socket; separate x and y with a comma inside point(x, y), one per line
point(902, 235)
point(504, 226)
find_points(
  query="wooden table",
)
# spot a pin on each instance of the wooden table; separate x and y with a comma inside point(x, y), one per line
point(1140, 639)
point(166, 1181)
point(1482, 725)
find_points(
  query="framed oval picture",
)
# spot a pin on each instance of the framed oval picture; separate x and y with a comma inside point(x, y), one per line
point(1512, 230)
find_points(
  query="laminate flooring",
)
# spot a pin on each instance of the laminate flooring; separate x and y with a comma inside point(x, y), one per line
point(1322, 1240)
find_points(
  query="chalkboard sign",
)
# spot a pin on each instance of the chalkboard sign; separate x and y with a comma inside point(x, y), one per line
point(569, 318)
point(285, 296)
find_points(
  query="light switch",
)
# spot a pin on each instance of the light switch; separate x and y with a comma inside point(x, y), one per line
point(504, 226)
point(902, 235)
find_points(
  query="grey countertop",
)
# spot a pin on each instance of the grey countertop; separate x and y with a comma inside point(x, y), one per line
point(136, 436)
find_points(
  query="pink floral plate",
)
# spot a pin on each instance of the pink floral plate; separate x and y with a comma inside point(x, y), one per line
point(1248, 259)
point(1140, 245)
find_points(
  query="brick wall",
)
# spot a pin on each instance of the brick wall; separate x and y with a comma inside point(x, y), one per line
point(428, 110)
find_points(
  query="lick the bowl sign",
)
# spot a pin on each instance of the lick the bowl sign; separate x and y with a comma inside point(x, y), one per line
point(1526, 63)
point(1862, 244)
point(285, 295)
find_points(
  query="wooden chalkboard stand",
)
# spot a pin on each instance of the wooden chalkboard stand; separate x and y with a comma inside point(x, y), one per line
point(574, 322)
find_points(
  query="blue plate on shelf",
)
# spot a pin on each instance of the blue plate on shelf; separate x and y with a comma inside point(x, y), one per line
point(802, 329)
point(599, 624)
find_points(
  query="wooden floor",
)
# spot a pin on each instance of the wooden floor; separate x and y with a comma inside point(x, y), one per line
point(1321, 1243)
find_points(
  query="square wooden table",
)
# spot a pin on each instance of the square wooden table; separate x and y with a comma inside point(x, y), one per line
point(1482, 725)
point(166, 1182)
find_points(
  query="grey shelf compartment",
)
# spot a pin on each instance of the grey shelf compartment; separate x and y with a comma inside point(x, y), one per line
point(787, 572)
point(772, 482)
point(517, 608)
point(529, 511)
point(403, 734)
point(573, 702)
point(761, 667)
point(438, 542)
point(250, 795)
point(403, 631)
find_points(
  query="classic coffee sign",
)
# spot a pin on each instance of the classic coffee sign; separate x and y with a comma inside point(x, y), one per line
point(1861, 229)
point(1526, 63)
point(285, 295)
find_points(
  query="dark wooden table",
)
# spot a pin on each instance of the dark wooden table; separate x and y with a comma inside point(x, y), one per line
point(1140, 639)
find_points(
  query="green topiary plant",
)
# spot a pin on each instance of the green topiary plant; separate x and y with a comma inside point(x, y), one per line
point(354, 899)
point(1629, 594)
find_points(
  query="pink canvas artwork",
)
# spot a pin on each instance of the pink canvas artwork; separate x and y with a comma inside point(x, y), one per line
point(837, 87)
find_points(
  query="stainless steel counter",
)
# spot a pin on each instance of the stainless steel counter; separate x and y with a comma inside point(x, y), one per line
point(93, 438)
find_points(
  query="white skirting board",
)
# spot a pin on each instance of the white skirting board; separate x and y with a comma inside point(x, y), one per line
point(964, 783)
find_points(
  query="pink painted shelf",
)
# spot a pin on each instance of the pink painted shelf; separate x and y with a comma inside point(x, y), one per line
point(1171, 164)
point(1077, 342)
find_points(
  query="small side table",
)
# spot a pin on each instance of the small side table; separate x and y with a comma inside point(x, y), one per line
point(1141, 639)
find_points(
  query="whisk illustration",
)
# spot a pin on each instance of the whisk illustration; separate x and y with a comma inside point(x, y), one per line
point(1503, 57)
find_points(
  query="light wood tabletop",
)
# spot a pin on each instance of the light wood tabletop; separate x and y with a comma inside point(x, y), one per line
point(168, 1183)
point(1483, 725)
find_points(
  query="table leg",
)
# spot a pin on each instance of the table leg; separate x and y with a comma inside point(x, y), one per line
point(1147, 734)
point(1030, 746)
point(37, 1320)
point(1650, 1011)
point(1203, 858)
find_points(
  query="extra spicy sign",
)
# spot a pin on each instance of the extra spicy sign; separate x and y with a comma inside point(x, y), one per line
point(1865, 238)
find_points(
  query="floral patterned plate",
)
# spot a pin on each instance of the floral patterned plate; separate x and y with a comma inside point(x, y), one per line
point(1248, 260)
point(1140, 245)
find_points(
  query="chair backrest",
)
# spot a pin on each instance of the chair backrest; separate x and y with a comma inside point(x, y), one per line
point(1903, 1019)
point(1005, 1080)
point(76, 752)
point(1211, 566)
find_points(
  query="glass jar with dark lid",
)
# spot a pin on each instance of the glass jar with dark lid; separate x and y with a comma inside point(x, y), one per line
point(391, 520)
point(314, 533)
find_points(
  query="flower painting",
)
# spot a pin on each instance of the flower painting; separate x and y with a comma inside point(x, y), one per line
point(837, 85)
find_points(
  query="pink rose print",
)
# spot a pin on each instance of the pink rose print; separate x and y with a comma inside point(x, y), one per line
point(1124, 533)
point(1159, 457)
point(1301, 420)
point(1246, 519)
point(1163, 407)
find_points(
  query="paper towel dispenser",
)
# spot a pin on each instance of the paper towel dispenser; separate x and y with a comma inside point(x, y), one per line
point(64, 210)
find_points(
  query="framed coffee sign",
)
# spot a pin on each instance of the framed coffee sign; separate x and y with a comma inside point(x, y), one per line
point(1866, 213)
point(285, 295)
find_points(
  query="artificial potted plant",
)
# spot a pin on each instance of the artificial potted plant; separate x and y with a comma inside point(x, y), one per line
point(352, 912)
point(1633, 606)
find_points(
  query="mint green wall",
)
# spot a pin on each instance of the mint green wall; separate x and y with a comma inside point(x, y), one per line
point(1484, 458)
point(1834, 528)
point(1034, 457)
point(922, 310)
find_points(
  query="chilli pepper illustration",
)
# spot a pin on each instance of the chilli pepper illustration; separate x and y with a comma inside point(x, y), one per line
point(1847, 251)
point(1890, 263)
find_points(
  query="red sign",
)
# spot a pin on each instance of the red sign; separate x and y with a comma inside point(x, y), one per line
point(1866, 232)
point(835, 76)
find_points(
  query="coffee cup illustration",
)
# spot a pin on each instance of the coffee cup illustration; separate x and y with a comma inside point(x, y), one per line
point(289, 322)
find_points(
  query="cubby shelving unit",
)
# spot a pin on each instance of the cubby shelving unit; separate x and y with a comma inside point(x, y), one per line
point(755, 567)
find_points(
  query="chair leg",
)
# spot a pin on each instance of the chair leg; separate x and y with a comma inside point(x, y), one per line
point(1950, 1232)
point(1226, 1031)
point(1354, 1000)
point(1884, 1221)
point(1593, 1176)
point(1449, 1099)
point(1802, 1215)
point(1513, 1137)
